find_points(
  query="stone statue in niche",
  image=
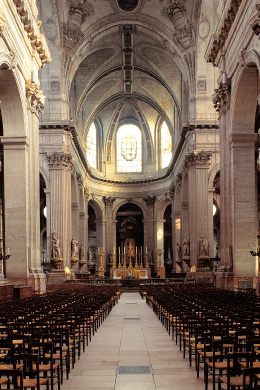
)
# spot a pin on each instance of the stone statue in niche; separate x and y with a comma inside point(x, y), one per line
point(178, 252)
point(186, 247)
point(74, 247)
point(204, 247)
point(55, 245)
point(169, 261)
point(150, 256)
point(81, 252)
point(110, 258)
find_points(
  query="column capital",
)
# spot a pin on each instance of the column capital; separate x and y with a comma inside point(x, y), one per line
point(150, 200)
point(60, 160)
point(108, 200)
point(35, 97)
point(197, 160)
point(222, 96)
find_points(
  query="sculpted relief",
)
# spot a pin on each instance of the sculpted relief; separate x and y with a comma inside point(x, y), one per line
point(183, 36)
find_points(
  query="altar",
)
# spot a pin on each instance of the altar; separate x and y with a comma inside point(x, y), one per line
point(130, 273)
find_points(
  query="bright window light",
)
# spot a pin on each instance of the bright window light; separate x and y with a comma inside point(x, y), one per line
point(166, 146)
point(92, 146)
point(129, 149)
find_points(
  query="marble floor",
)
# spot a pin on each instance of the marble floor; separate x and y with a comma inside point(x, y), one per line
point(132, 337)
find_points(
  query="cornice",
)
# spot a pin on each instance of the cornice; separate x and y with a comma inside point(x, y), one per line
point(28, 15)
point(226, 21)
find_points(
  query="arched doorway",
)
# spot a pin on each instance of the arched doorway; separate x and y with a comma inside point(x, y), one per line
point(130, 233)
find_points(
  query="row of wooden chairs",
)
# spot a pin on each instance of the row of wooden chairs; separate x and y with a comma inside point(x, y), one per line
point(218, 329)
point(42, 337)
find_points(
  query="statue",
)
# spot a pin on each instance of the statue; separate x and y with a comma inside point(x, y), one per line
point(55, 245)
point(169, 260)
point(150, 256)
point(178, 251)
point(90, 256)
point(204, 247)
point(186, 247)
point(110, 258)
point(81, 252)
point(74, 247)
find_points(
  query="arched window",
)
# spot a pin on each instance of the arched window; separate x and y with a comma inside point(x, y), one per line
point(166, 146)
point(129, 149)
point(92, 146)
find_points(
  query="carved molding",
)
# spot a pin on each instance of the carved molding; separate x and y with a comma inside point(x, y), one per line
point(108, 200)
point(150, 200)
point(222, 96)
point(60, 160)
point(28, 16)
point(86, 193)
point(197, 160)
point(79, 10)
point(80, 181)
point(218, 40)
point(35, 97)
point(171, 192)
point(184, 32)
point(256, 22)
point(2, 22)
point(178, 180)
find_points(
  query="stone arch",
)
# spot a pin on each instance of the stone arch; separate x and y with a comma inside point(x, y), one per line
point(161, 207)
point(134, 201)
point(244, 90)
point(212, 173)
point(11, 98)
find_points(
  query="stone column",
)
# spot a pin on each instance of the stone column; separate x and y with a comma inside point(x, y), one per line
point(149, 227)
point(244, 208)
point(176, 225)
point(197, 166)
point(221, 101)
point(108, 201)
point(21, 192)
point(60, 165)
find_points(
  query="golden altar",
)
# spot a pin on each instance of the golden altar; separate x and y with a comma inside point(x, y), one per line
point(130, 273)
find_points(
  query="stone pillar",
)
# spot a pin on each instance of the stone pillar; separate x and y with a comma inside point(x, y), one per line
point(176, 225)
point(197, 166)
point(221, 101)
point(159, 227)
point(21, 192)
point(149, 232)
point(60, 165)
point(16, 206)
point(110, 240)
point(243, 203)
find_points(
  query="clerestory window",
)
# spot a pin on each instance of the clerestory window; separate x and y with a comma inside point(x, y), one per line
point(166, 146)
point(129, 149)
point(92, 146)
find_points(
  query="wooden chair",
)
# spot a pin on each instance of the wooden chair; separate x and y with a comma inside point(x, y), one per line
point(218, 363)
point(31, 372)
point(47, 365)
point(251, 378)
point(15, 375)
point(234, 377)
point(58, 354)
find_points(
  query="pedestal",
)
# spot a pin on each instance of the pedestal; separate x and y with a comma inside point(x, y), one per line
point(56, 262)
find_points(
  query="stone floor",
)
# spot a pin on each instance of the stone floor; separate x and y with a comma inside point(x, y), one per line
point(132, 336)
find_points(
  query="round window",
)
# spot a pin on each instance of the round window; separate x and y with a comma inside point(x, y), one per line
point(127, 5)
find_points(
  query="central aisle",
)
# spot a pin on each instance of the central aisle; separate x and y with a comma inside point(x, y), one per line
point(132, 339)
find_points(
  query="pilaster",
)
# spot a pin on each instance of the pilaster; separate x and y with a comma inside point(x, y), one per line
point(60, 165)
point(197, 167)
